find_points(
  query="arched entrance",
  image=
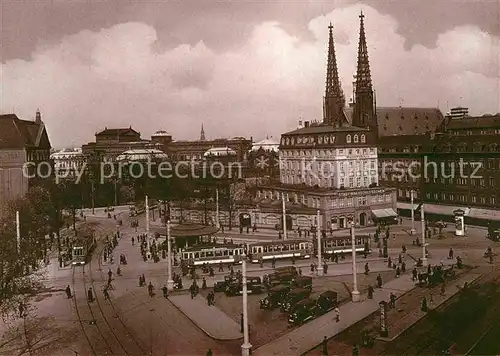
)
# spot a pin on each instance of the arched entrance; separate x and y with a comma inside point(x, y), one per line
point(362, 219)
point(245, 220)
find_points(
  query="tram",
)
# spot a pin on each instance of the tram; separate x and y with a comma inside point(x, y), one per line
point(280, 249)
point(213, 254)
point(337, 244)
point(83, 247)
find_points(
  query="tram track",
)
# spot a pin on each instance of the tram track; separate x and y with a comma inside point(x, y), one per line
point(420, 340)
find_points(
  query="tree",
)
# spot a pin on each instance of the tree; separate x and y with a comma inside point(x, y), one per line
point(19, 262)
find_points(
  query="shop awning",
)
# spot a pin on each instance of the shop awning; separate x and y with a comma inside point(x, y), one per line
point(484, 214)
point(442, 209)
point(384, 213)
point(406, 206)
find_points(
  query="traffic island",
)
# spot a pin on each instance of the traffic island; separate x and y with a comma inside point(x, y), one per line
point(213, 321)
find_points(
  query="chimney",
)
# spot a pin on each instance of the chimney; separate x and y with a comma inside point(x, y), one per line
point(301, 125)
point(306, 123)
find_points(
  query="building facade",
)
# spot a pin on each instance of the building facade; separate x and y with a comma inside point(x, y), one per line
point(69, 163)
point(331, 166)
point(24, 156)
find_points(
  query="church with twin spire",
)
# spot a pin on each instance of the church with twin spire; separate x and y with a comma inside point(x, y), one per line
point(332, 165)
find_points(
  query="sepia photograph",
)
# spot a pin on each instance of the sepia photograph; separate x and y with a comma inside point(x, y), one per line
point(249, 177)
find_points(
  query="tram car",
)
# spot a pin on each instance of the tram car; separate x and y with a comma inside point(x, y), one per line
point(338, 244)
point(83, 247)
point(213, 254)
point(280, 249)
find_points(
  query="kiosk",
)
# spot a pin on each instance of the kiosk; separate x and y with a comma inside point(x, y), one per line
point(459, 222)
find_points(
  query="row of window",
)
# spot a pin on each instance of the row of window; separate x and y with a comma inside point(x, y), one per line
point(326, 139)
point(461, 198)
point(326, 153)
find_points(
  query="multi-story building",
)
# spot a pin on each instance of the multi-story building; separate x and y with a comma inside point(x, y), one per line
point(332, 166)
point(24, 156)
point(69, 163)
point(263, 159)
point(110, 143)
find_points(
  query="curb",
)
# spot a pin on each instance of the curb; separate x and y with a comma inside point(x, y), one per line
point(200, 327)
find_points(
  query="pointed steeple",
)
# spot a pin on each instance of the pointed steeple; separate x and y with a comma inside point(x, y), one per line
point(364, 107)
point(38, 117)
point(334, 100)
point(202, 133)
point(363, 75)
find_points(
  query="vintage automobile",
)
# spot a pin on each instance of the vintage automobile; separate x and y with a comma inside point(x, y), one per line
point(326, 302)
point(275, 296)
point(282, 275)
point(254, 286)
point(296, 295)
point(304, 282)
point(302, 312)
point(221, 286)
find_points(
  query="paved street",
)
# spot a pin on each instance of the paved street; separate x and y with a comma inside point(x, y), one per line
point(140, 324)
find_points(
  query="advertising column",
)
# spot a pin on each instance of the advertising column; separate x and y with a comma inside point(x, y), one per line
point(459, 222)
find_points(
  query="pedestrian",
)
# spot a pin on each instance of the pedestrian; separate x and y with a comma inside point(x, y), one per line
point(105, 292)
point(392, 297)
point(133, 241)
point(443, 290)
point(209, 352)
point(110, 274)
point(424, 305)
point(431, 299)
point(312, 267)
point(414, 274)
point(90, 295)
point(221, 267)
point(68, 292)
point(403, 267)
point(398, 272)
point(355, 350)
point(379, 281)
point(450, 254)
point(204, 283)
point(400, 259)
point(150, 289)
point(370, 292)
point(325, 269)
point(21, 309)
point(389, 262)
point(325, 346)
point(165, 291)
point(337, 314)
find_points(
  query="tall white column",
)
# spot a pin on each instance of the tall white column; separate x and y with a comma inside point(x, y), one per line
point(284, 216)
point(18, 232)
point(318, 236)
point(217, 220)
point(412, 231)
point(170, 282)
point(246, 346)
point(148, 253)
point(355, 293)
point(422, 215)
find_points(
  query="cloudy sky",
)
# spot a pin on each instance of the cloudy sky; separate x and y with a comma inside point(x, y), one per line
point(242, 68)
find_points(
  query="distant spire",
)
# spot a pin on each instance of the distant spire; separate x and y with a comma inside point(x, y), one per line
point(202, 134)
point(334, 101)
point(363, 75)
point(38, 117)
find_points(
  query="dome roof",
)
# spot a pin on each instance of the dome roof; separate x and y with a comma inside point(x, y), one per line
point(142, 154)
point(268, 144)
point(220, 151)
point(160, 133)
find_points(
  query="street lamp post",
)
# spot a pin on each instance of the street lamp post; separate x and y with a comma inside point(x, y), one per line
point(217, 221)
point(412, 231)
point(246, 346)
point(148, 253)
point(319, 268)
point(355, 293)
point(284, 216)
point(170, 282)
point(424, 256)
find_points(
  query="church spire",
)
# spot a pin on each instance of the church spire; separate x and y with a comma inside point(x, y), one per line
point(364, 109)
point(202, 133)
point(363, 76)
point(334, 100)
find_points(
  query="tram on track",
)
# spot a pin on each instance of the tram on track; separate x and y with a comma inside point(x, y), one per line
point(213, 254)
point(337, 244)
point(280, 249)
point(83, 246)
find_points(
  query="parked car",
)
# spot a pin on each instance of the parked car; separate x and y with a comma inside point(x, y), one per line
point(304, 282)
point(221, 286)
point(302, 312)
point(326, 301)
point(275, 296)
point(296, 295)
point(254, 286)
